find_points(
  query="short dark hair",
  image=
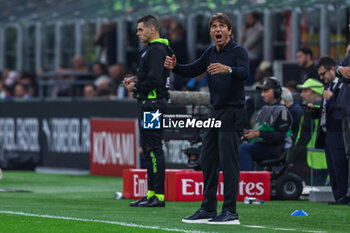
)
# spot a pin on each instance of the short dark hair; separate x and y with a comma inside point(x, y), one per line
point(306, 51)
point(149, 20)
point(102, 66)
point(327, 62)
point(222, 18)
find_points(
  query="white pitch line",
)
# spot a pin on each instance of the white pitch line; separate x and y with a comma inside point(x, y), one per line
point(252, 226)
point(100, 221)
point(284, 229)
point(141, 226)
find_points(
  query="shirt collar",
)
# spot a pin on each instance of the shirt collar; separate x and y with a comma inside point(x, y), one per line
point(336, 80)
point(229, 45)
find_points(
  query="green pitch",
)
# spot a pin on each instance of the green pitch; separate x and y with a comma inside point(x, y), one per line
point(63, 203)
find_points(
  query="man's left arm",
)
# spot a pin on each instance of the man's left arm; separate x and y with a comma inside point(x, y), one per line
point(239, 71)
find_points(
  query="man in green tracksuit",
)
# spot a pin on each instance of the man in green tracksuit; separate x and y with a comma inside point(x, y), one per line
point(151, 93)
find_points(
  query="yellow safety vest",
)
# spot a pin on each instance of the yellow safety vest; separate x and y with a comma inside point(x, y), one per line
point(316, 158)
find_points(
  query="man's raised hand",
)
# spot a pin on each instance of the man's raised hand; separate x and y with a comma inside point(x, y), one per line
point(170, 62)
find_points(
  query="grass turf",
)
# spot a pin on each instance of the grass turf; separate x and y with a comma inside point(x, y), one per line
point(92, 197)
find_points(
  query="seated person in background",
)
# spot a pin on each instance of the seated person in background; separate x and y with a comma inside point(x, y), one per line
point(99, 73)
point(90, 91)
point(295, 110)
point(271, 129)
point(20, 91)
point(78, 63)
point(303, 155)
point(264, 70)
point(292, 87)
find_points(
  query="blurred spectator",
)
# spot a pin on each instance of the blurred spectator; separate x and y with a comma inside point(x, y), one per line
point(99, 72)
point(306, 64)
point(28, 80)
point(10, 77)
point(116, 73)
point(177, 41)
point(78, 63)
point(106, 39)
point(104, 90)
point(252, 40)
point(295, 110)
point(67, 89)
point(90, 91)
point(166, 24)
point(4, 74)
point(20, 91)
point(264, 70)
point(292, 87)
point(7, 92)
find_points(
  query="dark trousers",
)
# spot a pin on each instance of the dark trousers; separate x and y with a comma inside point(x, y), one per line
point(337, 164)
point(252, 152)
point(346, 136)
point(151, 143)
point(220, 150)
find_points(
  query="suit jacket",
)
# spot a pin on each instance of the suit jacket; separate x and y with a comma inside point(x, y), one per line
point(333, 124)
point(343, 103)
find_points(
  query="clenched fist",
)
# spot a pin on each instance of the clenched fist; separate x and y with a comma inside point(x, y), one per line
point(170, 62)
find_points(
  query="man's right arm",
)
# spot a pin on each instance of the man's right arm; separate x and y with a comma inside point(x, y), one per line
point(194, 69)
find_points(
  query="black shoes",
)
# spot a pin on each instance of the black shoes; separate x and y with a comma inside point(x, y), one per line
point(225, 218)
point(201, 216)
point(341, 201)
point(136, 203)
point(144, 202)
point(152, 202)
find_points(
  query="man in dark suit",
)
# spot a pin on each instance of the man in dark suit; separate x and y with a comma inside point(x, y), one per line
point(330, 130)
point(343, 71)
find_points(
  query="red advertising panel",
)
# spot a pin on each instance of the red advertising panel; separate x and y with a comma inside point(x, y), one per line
point(114, 146)
point(187, 185)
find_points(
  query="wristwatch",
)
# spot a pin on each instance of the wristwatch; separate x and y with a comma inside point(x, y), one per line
point(229, 70)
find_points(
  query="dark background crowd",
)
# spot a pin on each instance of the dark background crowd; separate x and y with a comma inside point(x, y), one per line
point(103, 76)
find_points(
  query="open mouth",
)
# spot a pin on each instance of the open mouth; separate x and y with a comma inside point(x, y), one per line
point(218, 37)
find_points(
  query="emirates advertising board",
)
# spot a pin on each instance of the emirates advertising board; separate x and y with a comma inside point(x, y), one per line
point(187, 185)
